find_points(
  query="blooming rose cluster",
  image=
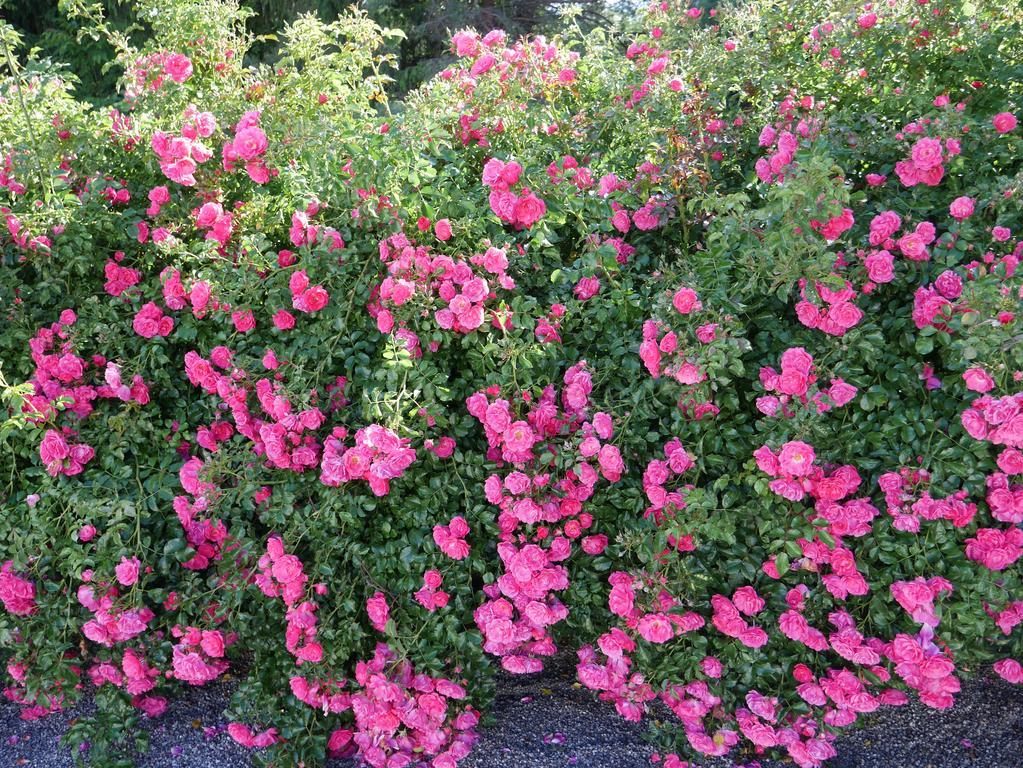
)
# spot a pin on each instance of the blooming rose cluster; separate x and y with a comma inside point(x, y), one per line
point(245, 736)
point(61, 457)
point(135, 676)
point(774, 166)
point(836, 699)
point(281, 575)
point(613, 679)
point(151, 71)
point(913, 245)
point(198, 655)
point(206, 536)
point(60, 375)
point(997, 420)
point(418, 281)
point(663, 503)
point(219, 225)
point(655, 622)
point(537, 507)
point(304, 232)
point(792, 467)
point(549, 447)
point(844, 578)
point(16, 593)
point(119, 279)
point(150, 322)
point(1005, 498)
point(521, 209)
point(925, 162)
point(536, 64)
point(833, 228)
point(248, 148)
point(287, 438)
point(933, 305)
point(7, 180)
point(996, 548)
point(181, 155)
point(917, 598)
point(451, 538)
point(1009, 670)
point(908, 506)
point(403, 716)
point(684, 349)
point(836, 313)
point(430, 595)
point(793, 385)
point(306, 297)
point(111, 623)
point(571, 171)
point(924, 667)
point(377, 457)
point(177, 297)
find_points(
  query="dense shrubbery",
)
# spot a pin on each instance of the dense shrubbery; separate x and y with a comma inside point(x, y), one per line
point(695, 354)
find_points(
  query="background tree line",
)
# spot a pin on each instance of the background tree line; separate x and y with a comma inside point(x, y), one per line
point(422, 53)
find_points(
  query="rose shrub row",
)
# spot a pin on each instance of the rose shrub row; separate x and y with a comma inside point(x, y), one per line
point(695, 354)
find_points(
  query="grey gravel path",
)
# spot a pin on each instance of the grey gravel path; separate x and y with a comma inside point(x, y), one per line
point(547, 722)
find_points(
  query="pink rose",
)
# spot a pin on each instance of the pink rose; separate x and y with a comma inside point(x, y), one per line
point(611, 464)
point(796, 458)
point(378, 611)
point(250, 142)
point(685, 301)
point(978, 380)
point(528, 210)
point(880, 266)
point(1010, 461)
point(656, 628)
point(178, 66)
point(1004, 122)
point(127, 571)
point(961, 208)
point(927, 154)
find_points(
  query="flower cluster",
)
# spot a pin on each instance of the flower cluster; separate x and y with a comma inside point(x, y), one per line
point(287, 438)
point(925, 162)
point(794, 383)
point(997, 420)
point(198, 655)
point(828, 310)
point(664, 503)
point(688, 351)
point(520, 209)
point(16, 593)
point(378, 456)
point(450, 289)
point(206, 536)
point(542, 510)
point(907, 508)
point(402, 715)
point(281, 575)
point(306, 297)
point(248, 148)
point(181, 155)
point(111, 623)
point(451, 538)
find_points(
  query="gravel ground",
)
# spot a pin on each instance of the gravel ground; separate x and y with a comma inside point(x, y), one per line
point(546, 722)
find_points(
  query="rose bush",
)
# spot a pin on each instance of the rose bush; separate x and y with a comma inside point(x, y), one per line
point(695, 354)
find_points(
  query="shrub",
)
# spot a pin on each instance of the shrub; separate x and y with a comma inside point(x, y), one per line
point(695, 355)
